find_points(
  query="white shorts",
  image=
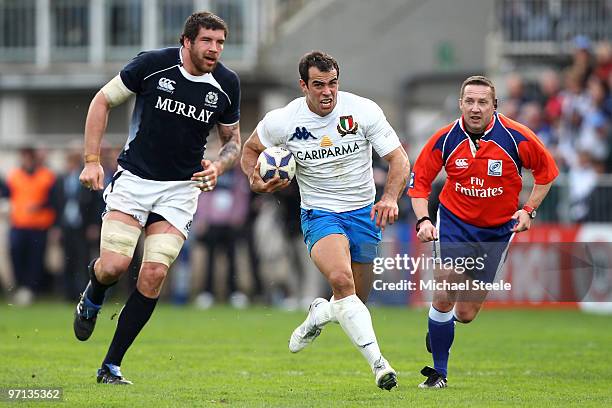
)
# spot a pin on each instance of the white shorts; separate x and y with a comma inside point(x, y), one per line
point(176, 201)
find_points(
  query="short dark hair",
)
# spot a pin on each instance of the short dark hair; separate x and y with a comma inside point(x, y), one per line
point(202, 19)
point(322, 61)
point(478, 80)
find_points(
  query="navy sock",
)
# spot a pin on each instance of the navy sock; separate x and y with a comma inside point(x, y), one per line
point(133, 317)
point(95, 290)
point(441, 335)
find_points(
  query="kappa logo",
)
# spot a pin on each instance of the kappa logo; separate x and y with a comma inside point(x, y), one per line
point(166, 85)
point(211, 99)
point(411, 183)
point(302, 134)
point(188, 225)
point(347, 125)
point(494, 168)
point(461, 163)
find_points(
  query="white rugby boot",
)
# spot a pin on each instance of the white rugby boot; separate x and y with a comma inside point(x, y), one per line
point(386, 377)
point(306, 332)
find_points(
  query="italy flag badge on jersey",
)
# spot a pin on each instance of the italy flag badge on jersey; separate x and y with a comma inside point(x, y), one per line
point(347, 125)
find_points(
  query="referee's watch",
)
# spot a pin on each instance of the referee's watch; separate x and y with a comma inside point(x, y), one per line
point(530, 211)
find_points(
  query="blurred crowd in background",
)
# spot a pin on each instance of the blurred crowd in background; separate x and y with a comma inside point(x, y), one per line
point(247, 248)
point(242, 247)
point(571, 112)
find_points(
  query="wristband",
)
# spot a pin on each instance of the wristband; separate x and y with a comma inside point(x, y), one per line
point(531, 211)
point(420, 220)
point(92, 158)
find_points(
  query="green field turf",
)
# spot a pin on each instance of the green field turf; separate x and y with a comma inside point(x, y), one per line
point(225, 357)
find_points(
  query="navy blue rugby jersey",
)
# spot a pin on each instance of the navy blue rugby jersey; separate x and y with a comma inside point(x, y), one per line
point(174, 113)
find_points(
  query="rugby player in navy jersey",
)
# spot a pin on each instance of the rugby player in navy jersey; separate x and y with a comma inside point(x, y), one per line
point(181, 94)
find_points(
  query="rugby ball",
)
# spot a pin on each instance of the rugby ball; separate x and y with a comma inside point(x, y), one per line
point(274, 161)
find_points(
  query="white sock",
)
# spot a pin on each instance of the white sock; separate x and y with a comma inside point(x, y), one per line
point(333, 316)
point(322, 314)
point(354, 318)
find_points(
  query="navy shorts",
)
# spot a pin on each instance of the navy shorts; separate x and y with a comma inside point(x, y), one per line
point(479, 252)
point(362, 233)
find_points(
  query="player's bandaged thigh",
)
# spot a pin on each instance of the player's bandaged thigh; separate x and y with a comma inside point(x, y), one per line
point(162, 248)
point(119, 237)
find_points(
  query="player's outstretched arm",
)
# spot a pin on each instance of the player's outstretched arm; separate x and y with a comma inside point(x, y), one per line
point(386, 210)
point(248, 162)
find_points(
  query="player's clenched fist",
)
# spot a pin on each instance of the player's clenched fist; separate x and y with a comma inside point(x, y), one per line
point(207, 178)
point(92, 176)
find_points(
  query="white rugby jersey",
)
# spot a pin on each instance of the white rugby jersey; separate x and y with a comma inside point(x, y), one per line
point(333, 152)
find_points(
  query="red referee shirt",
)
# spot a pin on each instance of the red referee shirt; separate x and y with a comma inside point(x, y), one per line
point(482, 186)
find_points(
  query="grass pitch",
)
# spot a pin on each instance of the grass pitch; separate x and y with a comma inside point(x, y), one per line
point(225, 357)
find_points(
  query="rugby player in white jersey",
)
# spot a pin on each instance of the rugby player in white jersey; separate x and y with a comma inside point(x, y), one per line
point(181, 94)
point(331, 135)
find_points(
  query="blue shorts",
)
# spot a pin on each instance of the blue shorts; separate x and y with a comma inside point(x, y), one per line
point(458, 242)
point(362, 233)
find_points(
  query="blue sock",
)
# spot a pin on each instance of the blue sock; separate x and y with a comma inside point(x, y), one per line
point(441, 335)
